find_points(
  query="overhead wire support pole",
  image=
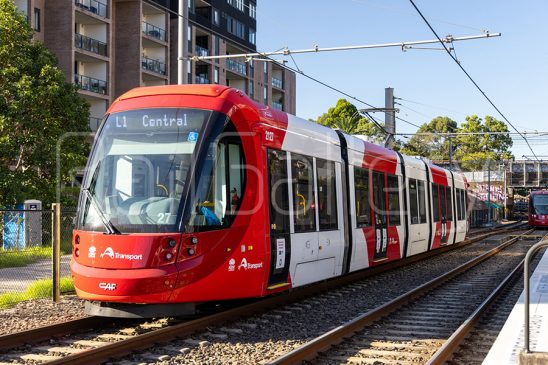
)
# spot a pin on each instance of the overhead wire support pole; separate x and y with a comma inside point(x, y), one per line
point(316, 49)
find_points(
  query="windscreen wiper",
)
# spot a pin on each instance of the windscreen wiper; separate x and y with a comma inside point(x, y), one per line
point(106, 222)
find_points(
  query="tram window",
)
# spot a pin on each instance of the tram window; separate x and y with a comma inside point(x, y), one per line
point(413, 200)
point(422, 201)
point(220, 188)
point(436, 201)
point(394, 200)
point(304, 207)
point(379, 198)
point(449, 205)
point(327, 195)
point(279, 196)
point(361, 185)
point(459, 204)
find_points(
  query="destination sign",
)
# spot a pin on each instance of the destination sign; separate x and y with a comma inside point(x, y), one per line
point(161, 119)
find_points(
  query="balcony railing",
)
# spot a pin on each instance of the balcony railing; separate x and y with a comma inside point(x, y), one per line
point(91, 84)
point(154, 31)
point(278, 106)
point(202, 79)
point(236, 66)
point(93, 6)
point(90, 44)
point(154, 66)
point(201, 51)
point(277, 83)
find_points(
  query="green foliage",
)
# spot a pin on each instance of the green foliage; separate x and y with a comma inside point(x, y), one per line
point(431, 145)
point(37, 107)
point(345, 116)
point(38, 289)
point(475, 151)
point(19, 258)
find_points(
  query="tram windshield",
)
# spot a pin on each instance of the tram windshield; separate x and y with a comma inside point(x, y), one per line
point(139, 168)
point(540, 204)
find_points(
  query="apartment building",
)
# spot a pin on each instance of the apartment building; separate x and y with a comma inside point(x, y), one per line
point(107, 47)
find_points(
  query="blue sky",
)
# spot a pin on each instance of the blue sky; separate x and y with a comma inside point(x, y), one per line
point(512, 69)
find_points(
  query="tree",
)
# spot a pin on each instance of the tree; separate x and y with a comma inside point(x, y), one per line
point(345, 116)
point(474, 151)
point(37, 107)
point(426, 143)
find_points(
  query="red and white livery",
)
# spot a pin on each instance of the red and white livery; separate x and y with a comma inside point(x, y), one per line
point(196, 193)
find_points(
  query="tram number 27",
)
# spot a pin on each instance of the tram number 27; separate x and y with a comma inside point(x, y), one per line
point(269, 136)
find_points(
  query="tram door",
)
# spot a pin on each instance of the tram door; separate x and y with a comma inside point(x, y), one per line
point(280, 245)
point(379, 211)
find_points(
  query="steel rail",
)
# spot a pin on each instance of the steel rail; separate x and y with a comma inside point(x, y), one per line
point(451, 345)
point(46, 332)
point(124, 347)
point(310, 349)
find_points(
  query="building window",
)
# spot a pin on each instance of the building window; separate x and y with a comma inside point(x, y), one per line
point(216, 17)
point(191, 6)
point(235, 27)
point(265, 95)
point(252, 36)
point(238, 4)
point(251, 89)
point(216, 75)
point(37, 19)
point(252, 10)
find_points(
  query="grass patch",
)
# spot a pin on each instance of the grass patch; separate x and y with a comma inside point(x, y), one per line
point(38, 289)
point(23, 257)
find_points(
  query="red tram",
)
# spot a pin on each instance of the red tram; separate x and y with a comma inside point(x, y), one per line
point(196, 193)
point(538, 208)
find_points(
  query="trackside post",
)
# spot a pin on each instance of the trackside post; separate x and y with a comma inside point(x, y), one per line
point(56, 250)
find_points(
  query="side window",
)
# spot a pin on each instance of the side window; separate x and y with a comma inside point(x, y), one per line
point(279, 197)
point(413, 201)
point(220, 188)
point(422, 201)
point(327, 195)
point(379, 197)
point(394, 200)
point(449, 203)
point(436, 202)
point(459, 204)
point(363, 209)
point(303, 193)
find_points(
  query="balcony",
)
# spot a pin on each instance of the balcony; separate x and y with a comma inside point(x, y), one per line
point(90, 44)
point(277, 83)
point(93, 6)
point(91, 84)
point(154, 32)
point(201, 51)
point(278, 106)
point(200, 79)
point(153, 66)
point(236, 66)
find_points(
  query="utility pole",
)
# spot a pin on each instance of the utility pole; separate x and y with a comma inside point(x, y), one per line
point(181, 37)
point(389, 117)
point(489, 191)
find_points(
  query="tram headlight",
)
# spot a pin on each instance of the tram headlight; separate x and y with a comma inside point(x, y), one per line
point(191, 251)
point(77, 252)
point(172, 243)
point(77, 240)
point(194, 240)
point(169, 256)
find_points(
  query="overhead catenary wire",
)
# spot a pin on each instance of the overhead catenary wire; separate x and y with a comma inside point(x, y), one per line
point(468, 75)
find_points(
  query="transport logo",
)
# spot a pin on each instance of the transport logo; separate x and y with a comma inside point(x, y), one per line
point(107, 286)
point(108, 252)
point(249, 266)
point(192, 137)
point(120, 256)
point(91, 252)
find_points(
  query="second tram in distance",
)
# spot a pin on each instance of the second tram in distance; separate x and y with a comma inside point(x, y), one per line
point(196, 193)
point(538, 209)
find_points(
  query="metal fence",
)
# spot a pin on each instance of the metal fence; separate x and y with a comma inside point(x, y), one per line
point(26, 244)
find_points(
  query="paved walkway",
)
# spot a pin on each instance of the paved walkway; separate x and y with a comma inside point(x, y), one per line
point(16, 279)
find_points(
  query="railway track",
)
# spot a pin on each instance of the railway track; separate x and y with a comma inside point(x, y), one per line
point(122, 338)
point(424, 325)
